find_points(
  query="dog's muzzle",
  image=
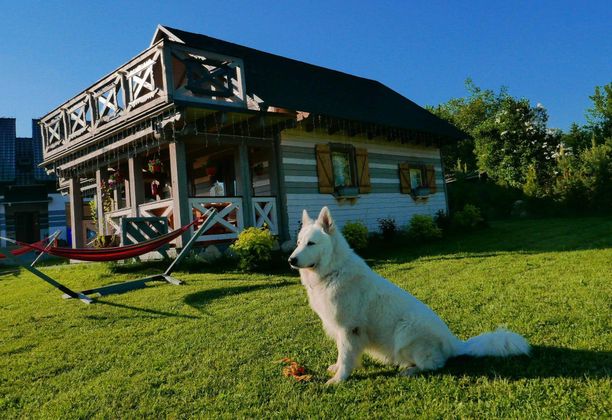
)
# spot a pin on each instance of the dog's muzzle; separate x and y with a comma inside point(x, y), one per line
point(293, 262)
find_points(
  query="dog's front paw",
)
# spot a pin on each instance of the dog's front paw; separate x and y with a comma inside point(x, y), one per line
point(333, 368)
point(333, 381)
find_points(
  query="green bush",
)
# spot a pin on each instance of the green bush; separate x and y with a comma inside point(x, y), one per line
point(468, 218)
point(423, 228)
point(253, 248)
point(388, 227)
point(356, 234)
point(442, 220)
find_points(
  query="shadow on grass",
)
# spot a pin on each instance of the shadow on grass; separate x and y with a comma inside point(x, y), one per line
point(199, 300)
point(155, 312)
point(544, 362)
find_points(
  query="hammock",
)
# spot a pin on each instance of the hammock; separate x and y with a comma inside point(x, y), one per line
point(108, 254)
point(25, 249)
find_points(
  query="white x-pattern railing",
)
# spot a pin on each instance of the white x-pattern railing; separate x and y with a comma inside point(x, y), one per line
point(161, 208)
point(264, 212)
point(138, 84)
point(228, 221)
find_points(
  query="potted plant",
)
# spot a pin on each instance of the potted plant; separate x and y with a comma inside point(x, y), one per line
point(155, 165)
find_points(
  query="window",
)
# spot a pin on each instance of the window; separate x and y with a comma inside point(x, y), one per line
point(343, 164)
point(416, 178)
point(342, 170)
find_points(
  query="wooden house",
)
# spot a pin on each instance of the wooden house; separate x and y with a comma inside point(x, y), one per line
point(195, 122)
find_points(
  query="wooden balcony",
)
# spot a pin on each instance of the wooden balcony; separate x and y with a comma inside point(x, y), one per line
point(126, 100)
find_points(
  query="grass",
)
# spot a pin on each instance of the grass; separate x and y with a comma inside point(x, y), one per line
point(208, 348)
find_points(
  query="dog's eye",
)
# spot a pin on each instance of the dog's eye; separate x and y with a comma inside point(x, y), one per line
point(310, 243)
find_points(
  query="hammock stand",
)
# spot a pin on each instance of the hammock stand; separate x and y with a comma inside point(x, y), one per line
point(107, 254)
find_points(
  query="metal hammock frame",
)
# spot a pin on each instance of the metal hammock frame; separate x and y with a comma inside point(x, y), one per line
point(15, 256)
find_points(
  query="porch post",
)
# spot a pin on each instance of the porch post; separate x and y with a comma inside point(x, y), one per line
point(76, 211)
point(101, 174)
point(279, 188)
point(135, 192)
point(244, 181)
point(180, 194)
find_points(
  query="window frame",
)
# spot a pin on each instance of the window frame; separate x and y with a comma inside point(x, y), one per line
point(349, 149)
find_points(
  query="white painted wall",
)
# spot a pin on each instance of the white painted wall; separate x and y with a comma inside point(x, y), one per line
point(367, 209)
point(385, 200)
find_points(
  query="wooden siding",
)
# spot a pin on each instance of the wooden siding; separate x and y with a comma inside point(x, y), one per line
point(385, 199)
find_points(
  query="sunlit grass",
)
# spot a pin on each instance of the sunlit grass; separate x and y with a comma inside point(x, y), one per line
point(207, 348)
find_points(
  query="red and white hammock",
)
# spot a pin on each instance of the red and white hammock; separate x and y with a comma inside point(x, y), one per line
point(107, 254)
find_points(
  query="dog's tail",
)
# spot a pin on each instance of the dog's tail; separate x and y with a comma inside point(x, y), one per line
point(500, 343)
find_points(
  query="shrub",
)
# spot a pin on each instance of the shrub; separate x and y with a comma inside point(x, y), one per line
point(253, 248)
point(356, 234)
point(387, 227)
point(442, 220)
point(423, 228)
point(468, 218)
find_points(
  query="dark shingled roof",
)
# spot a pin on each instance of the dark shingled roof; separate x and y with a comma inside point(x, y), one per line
point(286, 83)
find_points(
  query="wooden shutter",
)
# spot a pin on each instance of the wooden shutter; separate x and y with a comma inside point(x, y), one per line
point(430, 176)
point(325, 171)
point(404, 174)
point(363, 170)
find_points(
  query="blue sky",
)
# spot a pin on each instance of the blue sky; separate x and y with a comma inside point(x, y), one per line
point(553, 53)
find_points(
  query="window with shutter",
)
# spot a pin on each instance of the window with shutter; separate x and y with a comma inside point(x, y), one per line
point(418, 180)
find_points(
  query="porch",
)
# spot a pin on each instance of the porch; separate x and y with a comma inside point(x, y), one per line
point(180, 181)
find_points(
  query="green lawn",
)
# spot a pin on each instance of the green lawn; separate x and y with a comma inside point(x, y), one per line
point(208, 348)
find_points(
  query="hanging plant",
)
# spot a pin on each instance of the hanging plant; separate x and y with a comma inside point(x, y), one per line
point(211, 169)
point(114, 180)
point(259, 169)
point(155, 165)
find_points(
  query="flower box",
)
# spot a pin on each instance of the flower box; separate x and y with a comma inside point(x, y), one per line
point(347, 191)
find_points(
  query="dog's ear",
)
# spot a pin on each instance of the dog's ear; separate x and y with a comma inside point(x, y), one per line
point(306, 220)
point(326, 221)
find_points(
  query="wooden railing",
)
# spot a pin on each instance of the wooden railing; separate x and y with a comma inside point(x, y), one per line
point(228, 222)
point(113, 219)
point(264, 212)
point(161, 208)
point(138, 84)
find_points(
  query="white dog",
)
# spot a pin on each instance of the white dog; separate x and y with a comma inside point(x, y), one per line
point(364, 312)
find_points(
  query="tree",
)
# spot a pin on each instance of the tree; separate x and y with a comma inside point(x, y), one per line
point(599, 117)
point(509, 137)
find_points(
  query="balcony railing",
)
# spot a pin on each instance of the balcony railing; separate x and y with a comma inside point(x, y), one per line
point(158, 76)
point(138, 84)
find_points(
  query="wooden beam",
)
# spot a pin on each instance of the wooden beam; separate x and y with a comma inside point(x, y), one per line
point(245, 184)
point(136, 188)
point(101, 175)
point(180, 192)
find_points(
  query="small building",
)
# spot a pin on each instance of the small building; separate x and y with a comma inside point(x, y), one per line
point(194, 122)
point(30, 205)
